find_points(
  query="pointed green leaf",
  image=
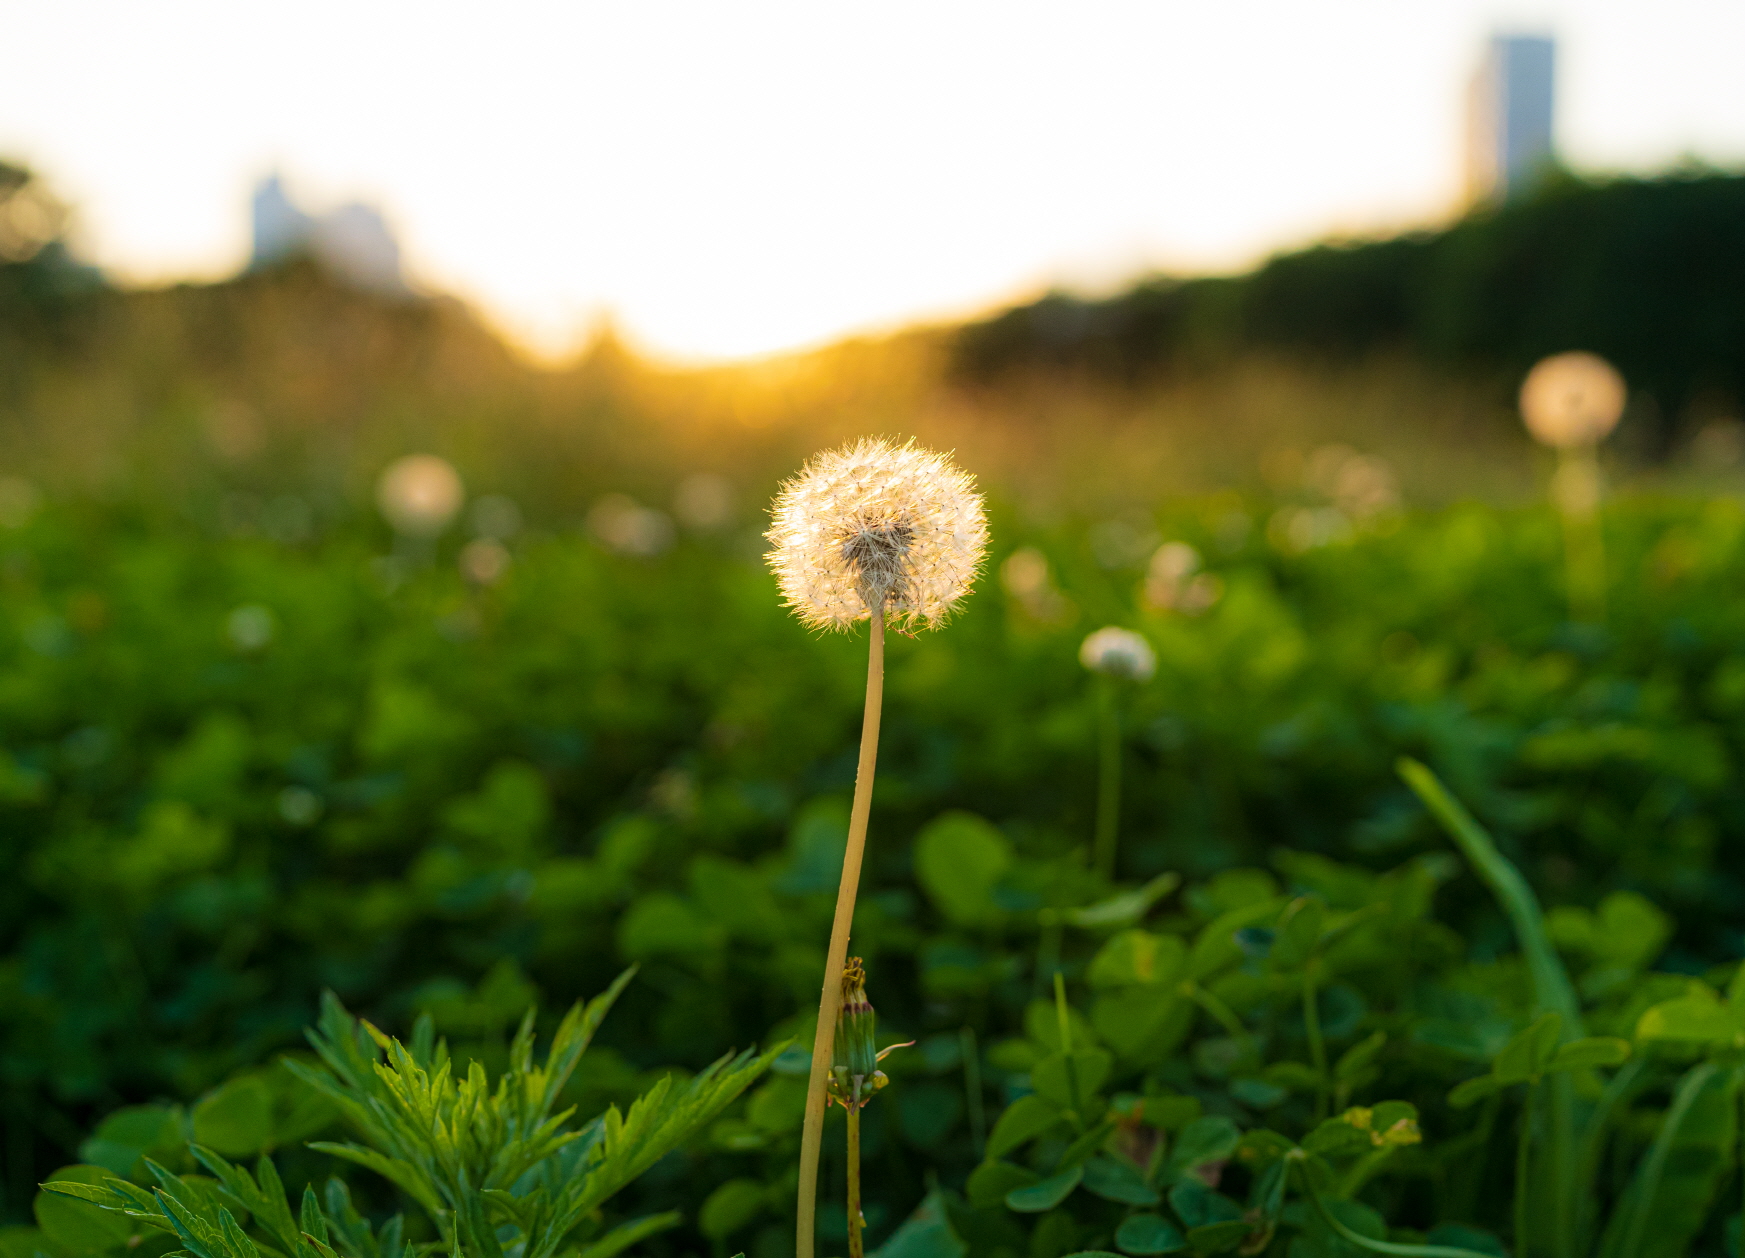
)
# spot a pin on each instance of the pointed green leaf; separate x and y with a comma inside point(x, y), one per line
point(236, 1242)
point(1045, 1194)
point(77, 1211)
point(310, 1220)
point(1552, 989)
point(625, 1235)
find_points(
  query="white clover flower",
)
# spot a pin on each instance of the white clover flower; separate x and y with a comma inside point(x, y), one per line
point(877, 525)
point(1119, 652)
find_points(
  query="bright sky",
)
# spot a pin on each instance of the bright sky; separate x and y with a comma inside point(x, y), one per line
point(735, 178)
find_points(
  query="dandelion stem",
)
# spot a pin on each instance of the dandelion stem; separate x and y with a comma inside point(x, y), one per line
point(855, 1222)
point(1108, 777)
point(972, 1086)
point(830, 1002)
point(1521, 1150)
point(1584, 547)
point(1047, 951)
point(1317, 1045)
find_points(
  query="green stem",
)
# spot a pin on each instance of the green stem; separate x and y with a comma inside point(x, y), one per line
point(1361, 1172)
point(1374, 1246)
point(1065, 1022)
point(1317, 1046)
point(1565, 1206)
point(1552, 990)
point(1593, 1142)
point(855, 1222)
point(972, 1086)
point(830, 998)
point(1584, 547)
point(1462, 1193)
point(1523, 1145)
point(1108, 777)
point(1047, 950)
point(1225, 1016)
point(1641, 1199)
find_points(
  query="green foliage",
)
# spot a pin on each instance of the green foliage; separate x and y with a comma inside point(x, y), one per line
point(1639, 270)
point(494, 1168)
point(453, 802)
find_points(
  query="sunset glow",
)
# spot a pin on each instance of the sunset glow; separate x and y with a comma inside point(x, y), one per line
point(727, 180)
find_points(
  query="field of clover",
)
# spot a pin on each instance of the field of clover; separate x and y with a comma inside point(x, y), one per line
point(1358, 896)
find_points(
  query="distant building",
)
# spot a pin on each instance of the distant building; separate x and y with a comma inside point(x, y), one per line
point(1509, 120)
point(354, 242)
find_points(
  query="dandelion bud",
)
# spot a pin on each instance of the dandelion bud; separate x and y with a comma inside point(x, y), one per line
point(877, 527)
point(1572, 400)
point(1117, 652)
point(856, 1055)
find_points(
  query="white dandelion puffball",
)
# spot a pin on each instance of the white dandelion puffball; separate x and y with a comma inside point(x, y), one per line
point(1118, 652)
point(1572, 400)
point(879, 525)
point(420, 494)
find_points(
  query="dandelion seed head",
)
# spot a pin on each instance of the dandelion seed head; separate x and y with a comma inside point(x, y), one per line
point(877, 525)
point(1572, 399)
point(420, 494)
point(1118, 652)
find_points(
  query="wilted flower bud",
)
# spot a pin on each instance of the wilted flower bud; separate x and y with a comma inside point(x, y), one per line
point(855, 1058)
point(1117, 652)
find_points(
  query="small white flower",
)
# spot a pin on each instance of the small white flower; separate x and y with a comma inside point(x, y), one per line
point(880, 525)
point(1119, 652)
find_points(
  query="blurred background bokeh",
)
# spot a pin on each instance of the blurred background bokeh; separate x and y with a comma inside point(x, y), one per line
point(390, 396)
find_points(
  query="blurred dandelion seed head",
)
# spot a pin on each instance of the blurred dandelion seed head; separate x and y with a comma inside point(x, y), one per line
point(250, 627)
point(420, 494)
point(626, 527)
point(1117, 652)
point(704, 501)
point(484, 561)
point(877, 525)
point(300, 806)
point(1573, 399)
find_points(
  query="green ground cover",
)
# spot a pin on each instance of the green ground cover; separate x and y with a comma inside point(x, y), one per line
point(241, 772)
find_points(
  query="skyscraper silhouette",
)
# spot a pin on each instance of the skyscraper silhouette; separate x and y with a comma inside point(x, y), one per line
point(1509, 122)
